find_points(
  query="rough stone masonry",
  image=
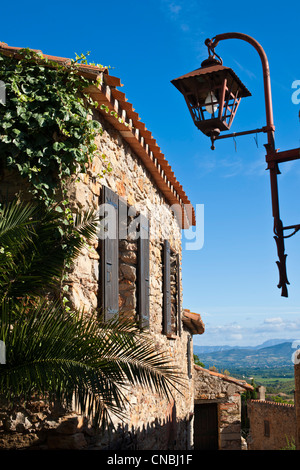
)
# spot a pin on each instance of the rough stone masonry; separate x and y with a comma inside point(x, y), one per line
point(152, 422)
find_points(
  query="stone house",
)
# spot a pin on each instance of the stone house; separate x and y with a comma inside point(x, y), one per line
point(273, 425)
point(136, 276)
point(217, 418)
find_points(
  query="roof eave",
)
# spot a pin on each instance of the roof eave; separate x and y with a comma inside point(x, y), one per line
point(192, 321)
point(226, 378)
point(123, 117)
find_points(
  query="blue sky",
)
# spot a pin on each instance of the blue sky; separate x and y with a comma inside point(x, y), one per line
point(232, 280)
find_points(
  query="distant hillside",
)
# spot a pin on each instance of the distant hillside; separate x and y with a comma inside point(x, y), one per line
point(265, 344)
point(277, 355)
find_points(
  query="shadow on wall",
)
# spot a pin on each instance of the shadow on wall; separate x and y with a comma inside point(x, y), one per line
point(38, 427)
point(230, 437)
point(159, 435)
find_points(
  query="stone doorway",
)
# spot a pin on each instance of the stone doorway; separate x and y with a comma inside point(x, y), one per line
point(206, 426)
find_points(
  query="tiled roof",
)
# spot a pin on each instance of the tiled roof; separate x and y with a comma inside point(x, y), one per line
point(272, 403)
point(130, 127)
point(227, 378)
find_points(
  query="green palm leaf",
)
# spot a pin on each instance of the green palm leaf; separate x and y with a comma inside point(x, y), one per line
point(62, 356)
point(34, 250)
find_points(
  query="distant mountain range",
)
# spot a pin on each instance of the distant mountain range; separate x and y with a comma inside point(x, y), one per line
point(271, 354)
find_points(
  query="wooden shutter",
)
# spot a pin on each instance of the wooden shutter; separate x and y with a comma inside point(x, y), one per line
point(110, 260)
point(123, 222)
point(178, 295)
point(166, 289)
point(189, 358)
point(143, 273)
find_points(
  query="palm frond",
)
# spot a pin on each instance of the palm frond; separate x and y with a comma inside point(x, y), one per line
point(67, 356)
point(129, 351)
point(34, 250)
point(84, 230)
point(15, 221)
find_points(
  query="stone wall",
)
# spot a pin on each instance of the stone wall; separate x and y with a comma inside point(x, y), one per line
point(43, 426)
point(133, 183)
point(152, 422)
point(212, 387)
point(272, 425)
point(297, 395)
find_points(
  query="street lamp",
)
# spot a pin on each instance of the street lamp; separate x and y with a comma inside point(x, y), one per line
point(213, 93)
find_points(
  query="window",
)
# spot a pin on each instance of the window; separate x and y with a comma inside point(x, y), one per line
point(117, 260)
point(171, 291)
point(266, 428)
point(189, 357)
point(143, 273)
point(110, 254)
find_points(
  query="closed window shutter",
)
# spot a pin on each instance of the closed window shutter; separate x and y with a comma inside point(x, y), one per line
point(166, 289)
point(189, 358)
point(110, 259)
point(123, 223)
point(143, 273)
point(178, 295)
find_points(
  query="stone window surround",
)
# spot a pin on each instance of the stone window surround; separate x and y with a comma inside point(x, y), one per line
point(128, 273)
point(129, 262)
point(171, 326)
point(266, 428)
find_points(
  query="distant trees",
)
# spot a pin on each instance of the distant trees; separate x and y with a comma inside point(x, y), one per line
point(279, 399)
point(197, 361)
point(212, 368)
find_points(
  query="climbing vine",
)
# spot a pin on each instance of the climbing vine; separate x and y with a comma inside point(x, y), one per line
point(47, 132)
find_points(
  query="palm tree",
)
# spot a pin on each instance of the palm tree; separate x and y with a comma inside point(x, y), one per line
point(59, 354)
point(37, 244)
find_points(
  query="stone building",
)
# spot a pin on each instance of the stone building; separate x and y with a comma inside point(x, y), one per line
point(297, 395)
point(217, 418)
point(136, 276)
point(273, 425)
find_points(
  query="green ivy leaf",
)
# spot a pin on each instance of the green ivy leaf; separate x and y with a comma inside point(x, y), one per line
point(47, 132)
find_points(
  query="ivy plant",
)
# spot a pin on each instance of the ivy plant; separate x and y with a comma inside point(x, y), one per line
point(47, 132)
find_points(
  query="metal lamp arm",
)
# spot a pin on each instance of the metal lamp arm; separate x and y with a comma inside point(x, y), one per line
point(212, 43)
point(270, 148)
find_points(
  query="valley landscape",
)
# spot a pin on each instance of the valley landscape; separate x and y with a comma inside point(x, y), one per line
point(269, 364)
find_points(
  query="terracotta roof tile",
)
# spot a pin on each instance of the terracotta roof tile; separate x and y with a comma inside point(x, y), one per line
point(273, 403)
point(193, 322)
point(227, 378)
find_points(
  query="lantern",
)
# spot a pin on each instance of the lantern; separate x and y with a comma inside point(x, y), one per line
point(212, 93)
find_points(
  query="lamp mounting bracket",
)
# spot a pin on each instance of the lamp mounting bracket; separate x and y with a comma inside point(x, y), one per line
point(211, 50)
point(237, 134)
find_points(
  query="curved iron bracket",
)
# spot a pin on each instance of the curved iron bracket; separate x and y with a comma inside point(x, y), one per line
point(272, 157)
